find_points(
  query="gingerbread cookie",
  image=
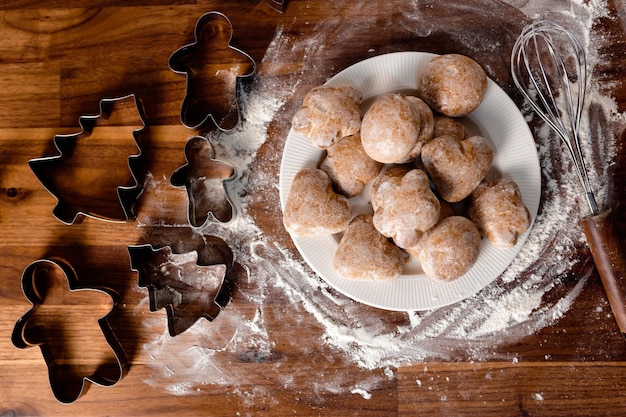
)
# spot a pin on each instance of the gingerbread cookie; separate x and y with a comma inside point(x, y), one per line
point(313, 208)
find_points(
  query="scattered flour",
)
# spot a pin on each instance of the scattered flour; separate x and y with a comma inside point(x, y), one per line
point(362, 393)
point(514, 306)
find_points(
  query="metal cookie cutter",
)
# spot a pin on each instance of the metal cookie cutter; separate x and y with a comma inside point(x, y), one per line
point(189, 285)
point(96, 171)
point(53, 289)
point(278, 5)
point(204, 177)
point(213, 68)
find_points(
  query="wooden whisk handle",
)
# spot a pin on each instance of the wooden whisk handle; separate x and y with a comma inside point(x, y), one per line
point(608, 256)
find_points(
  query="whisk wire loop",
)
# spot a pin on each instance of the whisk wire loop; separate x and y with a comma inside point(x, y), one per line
point(554, 89)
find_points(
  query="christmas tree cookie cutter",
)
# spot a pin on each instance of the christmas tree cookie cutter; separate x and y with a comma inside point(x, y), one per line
point(203, 177)
point(212, 67)
point(96, 170)
point(188, 284)
point(56, 324)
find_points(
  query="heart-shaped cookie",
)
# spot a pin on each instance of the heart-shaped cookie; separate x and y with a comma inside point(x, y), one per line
point(365, 254)
point(313, 208)
point(457, 167)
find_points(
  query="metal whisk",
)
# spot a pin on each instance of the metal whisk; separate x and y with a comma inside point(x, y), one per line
point(549, 67)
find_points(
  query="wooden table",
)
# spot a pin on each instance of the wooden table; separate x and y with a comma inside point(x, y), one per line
point(276, 347)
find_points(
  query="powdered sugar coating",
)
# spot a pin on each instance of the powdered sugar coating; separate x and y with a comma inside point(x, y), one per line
point(404, 205)
point(390, 129)
point(450, 248)
point(313, 208)
point(499, 213)
point(427, 126)
point(364, 253)
point(450, 126)
point(456, 167)
point(453, 84)
point(349, 167)
point(329, 114)
point(445, 210)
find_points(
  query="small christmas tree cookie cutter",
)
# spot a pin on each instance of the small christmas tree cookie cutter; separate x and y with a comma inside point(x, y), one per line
point(76, 182)
point(179, 283)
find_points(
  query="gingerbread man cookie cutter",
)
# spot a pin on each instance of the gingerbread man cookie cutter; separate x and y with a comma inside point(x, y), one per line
point(213, 68)
point(204, 177)
point(50, 325)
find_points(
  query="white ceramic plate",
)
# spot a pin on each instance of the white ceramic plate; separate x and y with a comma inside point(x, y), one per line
point(515, 157)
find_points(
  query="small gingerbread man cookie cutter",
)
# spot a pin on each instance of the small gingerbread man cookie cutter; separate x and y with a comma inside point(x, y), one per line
point(204, 178)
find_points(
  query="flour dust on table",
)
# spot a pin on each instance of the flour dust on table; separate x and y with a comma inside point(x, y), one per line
point(529, 295)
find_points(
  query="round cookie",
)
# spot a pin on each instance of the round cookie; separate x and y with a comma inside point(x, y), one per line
point(364, 254)
point(448, 250)
point(349, 167)
point(498, 211)
point(390, 129)
point(328, 114)
point(448, 126)
point(453, 84)
point(313, 208)
point(427, 127)
point(446, 210)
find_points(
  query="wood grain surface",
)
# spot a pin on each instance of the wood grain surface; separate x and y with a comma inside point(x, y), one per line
point(58, 59)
